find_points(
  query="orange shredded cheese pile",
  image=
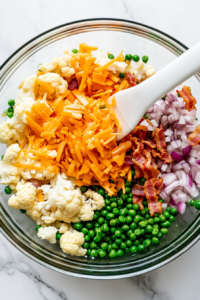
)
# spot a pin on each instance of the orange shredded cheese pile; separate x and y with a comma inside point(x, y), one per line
point(81, 126)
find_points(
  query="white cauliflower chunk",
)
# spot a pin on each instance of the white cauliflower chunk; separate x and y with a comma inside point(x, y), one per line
point(143, 71)
point(9, 174)
point(25, 196)
point(102, 59)
point(48, 233)
point(50, 65)
point(56, 81)
point(7, 134)
point(27, 89)
point(65, 61)
point(65, 227)
point(53, 153)
point(94, 199)
point(86, 212)
point(67, 71)
point(11, 153)
point(71, 242)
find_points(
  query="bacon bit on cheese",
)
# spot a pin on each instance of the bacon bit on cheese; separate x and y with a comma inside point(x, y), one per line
point(194, 137)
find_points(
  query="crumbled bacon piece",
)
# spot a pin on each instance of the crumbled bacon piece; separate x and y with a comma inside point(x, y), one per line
point(166, 157)
point(138, 200)
point(194, 138)
point(149, 143)
point(138, 190)
point(131, 78)
point(138, 172)
point(160, 137)
point(73, 84)
point(128, 160)
point(151, 194)
point(190, 101)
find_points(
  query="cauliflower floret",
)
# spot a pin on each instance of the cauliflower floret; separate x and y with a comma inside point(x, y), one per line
point(118, 66)
point(65, 227)
point(56, 81)
point(35, 214)
point(25, 196)
point(94, 199)
point(65, 60)
point(7, 134)
point(49, 66)
point(71, 242)
point(143, 71)
point(48, 233)
point(9, 174)
point(12, 153)
point(150, 71)
point(86, 212)
point(67, 71)
point(27, 89)
point(52, 153)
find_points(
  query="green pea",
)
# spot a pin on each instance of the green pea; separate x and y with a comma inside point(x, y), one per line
point(105, 228)
point(86, 245)
point(132, 236)
point(120, 252)
point(147, 216)
point(110, 216)
point(104, 246)
point(137, 232)
point(159, 235)
point(120, 202)
point(129, 206)
point(10, 115)
point(142, 231)
point(137, 219)
point(115, 246)
point(37, 227)
point(129, 200)
point(2, 156)
point(95, 216)
point(173, 211)
point(145, 203)
point(148, 235)
point(115, 211)
point(93, 245)
point(136, 242)
point(94, 253)
point(104, 213)
point(125, 227)
point(113, 222)
point(166, 214)
point(129, 219)
point(10, 109)
point(136, 206)
point(127, 189)
point(155, 240)
point(113, 253)
point(149, 228)
point(11, 102)
point(192, 202)
point(97, 225)
point(107, 239)
point(83, 189)
point(122, 219)
point(141, 247)
point(145, 116)
point(109, 248)
point(78, 226)
point(113, 229)
point(147, 242)
point(128, 184)
point(108, 208)
point(101, 191)
point(58, 235)
point(136, 58)
point(142, 224)
point(102, 253)
point(129, 243)
point(91, 233)
point(162, 218)
point(161, 200)
point(132, 213)
point(155, 232)
point(111, 56)
point(129, 232)
point(156, 215)
point(113, 205)
point(118, 241)
point(7, 190)
point(118, 233)
point(145, 59)
point(75, 50)
point(123, 245)
point(142, 180)
point(128, 57)
point(107, 202)
point(156, 219)
point(130, 195)
point(127, 250)
point(89, 225)
point(133, 249)
point(164, 230)
point(150, 221)
point(87, 238)
point(133, 226)
point(168, 209)
point(133, 173)
point(101, 220)
point(89, 251)
point(197, 204)
point(156, 226)
point(106, 196)
point(23, 211)
point(124, 197)
point(143, 212)
point(165, 224)
point(121, 75)
point(171, 219)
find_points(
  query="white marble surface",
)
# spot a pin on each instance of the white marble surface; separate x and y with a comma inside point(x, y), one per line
point(20, 277)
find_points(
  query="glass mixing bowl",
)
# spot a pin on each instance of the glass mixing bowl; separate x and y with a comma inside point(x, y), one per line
point(113, 36)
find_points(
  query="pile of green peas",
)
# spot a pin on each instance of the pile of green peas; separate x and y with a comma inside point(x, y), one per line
point(120, 227)
point(10, 111)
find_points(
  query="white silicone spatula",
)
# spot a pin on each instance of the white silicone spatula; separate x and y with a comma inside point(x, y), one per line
point(134, 102)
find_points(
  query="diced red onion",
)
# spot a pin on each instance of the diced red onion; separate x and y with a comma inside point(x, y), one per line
point(181, 207)
point(35, 182)
point(176, 156)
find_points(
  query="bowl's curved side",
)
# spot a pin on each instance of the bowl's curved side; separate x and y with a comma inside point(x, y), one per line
point(102, 32)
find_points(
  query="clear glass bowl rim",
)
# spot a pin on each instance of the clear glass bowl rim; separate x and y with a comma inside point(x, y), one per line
point(45, 257)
